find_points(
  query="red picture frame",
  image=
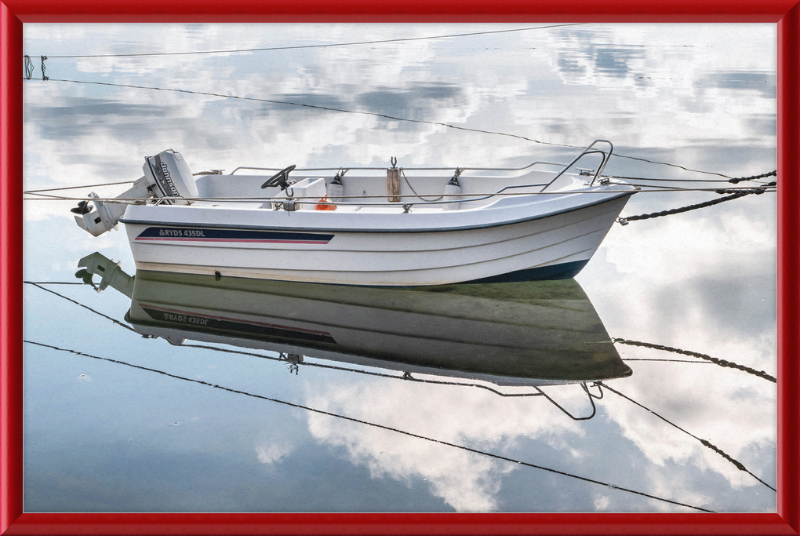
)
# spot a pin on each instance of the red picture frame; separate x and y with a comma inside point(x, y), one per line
point(14, 13)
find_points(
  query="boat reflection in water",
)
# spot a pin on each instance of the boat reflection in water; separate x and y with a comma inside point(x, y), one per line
point(508, 334)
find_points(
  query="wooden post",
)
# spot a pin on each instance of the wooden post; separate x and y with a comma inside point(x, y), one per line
point(393, 184)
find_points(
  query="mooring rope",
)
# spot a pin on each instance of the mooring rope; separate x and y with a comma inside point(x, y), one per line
point(217, 172)
point(754, 177)
point(374, 425)
point(716, 361)
point(364, 372)
point(137, 200)
point(53, 283)
point(735, 195)
point(403, 173)
point(673, 361)
point(37, 285)
point(77, 187)
point(383, 116)
point(734, 180)
point(704, 442)
point(322, 45)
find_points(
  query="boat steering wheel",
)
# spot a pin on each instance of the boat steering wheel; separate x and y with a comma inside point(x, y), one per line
point(281, 178)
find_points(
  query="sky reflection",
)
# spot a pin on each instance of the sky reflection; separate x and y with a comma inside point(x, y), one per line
point(101, 436)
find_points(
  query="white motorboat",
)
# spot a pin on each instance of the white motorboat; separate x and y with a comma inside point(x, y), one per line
point(355, 228)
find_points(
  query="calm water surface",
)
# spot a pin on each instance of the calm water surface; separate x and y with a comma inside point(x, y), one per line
point(232, 396)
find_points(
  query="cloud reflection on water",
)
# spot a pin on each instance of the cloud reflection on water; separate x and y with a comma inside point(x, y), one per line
point(701, 96)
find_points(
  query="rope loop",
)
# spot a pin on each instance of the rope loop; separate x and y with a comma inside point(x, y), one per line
point(28, 67)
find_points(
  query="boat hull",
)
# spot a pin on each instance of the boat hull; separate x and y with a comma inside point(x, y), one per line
point(534, 333)
point(553, 246)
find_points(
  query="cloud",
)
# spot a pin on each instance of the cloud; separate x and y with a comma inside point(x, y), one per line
point(601, 502)
point(466, 481)
point(272, 453)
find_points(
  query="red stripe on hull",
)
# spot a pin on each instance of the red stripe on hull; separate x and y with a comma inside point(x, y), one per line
point(237, 240)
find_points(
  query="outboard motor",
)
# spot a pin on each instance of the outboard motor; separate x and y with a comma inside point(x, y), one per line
point(169, 171)
point(110, 272)
point(166, 175)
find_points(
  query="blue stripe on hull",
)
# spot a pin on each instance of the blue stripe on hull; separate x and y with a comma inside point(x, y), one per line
point(232, 235)
point(565, 270)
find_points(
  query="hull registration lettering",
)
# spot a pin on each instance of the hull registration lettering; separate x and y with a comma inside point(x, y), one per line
point(179, 234)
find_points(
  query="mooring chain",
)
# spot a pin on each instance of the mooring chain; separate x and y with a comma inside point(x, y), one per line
point(717, 361)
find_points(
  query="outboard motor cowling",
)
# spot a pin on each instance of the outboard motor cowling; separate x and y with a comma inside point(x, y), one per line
point(166, 175)
point(171, 175)
point(110, 272)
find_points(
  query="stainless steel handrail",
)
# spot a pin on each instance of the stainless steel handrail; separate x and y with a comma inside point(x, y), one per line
point(406, 168)
point(585, 152)
point(605, 157)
